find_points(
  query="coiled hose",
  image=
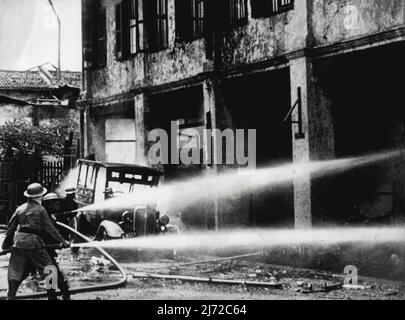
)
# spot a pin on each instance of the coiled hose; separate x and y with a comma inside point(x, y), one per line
point(114, 285)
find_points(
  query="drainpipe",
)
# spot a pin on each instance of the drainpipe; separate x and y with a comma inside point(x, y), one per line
point(82, 115)
point(59, 37)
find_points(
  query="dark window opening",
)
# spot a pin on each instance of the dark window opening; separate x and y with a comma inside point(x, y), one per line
point(190, 19)
point(267, 8)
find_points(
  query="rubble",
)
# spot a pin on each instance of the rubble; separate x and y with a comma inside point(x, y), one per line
point(356, 287)
point(100, 262)
point(285, 282)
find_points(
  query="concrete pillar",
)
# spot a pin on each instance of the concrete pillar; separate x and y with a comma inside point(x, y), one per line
point(209, 146)
point(141, 135)
point(210, 120)
point(318, 142)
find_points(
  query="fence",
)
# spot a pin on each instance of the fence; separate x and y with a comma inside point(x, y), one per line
point(11, 188)
point(52, 173)
point(15, 176)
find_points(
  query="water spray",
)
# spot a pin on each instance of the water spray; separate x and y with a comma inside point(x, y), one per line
point(180, 195)
point(256, 239)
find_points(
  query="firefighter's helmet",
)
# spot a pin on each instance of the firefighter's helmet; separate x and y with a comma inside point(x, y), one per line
point(51, 196)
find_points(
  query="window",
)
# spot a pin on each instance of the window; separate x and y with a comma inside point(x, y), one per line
point(198, 18)
point(120, 141)
point(229, 13)
point(95, 37)
point(237, 12)
point(162, 17)
point(190, 19)
point(267, 8)
point(101, 39)
point(137, 39)
point(158, 30)
point(141, 25)
point(134, 45)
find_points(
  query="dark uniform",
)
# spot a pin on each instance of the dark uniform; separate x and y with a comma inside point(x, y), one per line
point(69, 204)
point(28, 250)
point(51, 203)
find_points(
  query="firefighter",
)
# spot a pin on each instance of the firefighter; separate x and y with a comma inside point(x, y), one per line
point(28, 251)
point(52, 205)
point(69, 204)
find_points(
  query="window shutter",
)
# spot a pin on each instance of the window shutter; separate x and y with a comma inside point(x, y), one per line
point(118, 31)
point(126, 7)
point(102, 38)
point(88, 42)
point(95, 34)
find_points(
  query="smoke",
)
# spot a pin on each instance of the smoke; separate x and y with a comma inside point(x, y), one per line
point(180, 195)
point(258, 239)
point(70, 181)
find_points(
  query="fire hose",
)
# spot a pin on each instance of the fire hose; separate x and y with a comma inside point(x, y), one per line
point(114, 285)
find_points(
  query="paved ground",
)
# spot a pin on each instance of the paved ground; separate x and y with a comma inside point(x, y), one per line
point(295, 283)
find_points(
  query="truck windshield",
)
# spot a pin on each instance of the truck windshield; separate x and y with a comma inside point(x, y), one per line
point(82, 175)
point(100, 185)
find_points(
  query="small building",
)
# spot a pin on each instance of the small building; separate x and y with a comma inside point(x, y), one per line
point(242, 64)
point(33, 95)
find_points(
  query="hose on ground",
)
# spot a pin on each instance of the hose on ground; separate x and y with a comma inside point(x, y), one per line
point(114, 285)
point(207, 280)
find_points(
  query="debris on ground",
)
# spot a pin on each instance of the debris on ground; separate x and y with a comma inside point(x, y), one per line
point(356, 287)
point(100, 261)
point(289, 282)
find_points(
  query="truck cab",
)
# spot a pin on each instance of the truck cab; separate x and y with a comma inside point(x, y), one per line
point(100, 181)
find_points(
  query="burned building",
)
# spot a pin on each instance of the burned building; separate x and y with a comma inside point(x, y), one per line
point(244, 64)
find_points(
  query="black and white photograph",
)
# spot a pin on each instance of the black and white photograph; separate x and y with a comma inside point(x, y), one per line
point(202, 154)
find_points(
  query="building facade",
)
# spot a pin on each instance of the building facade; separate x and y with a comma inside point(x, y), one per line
point(242, 64)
